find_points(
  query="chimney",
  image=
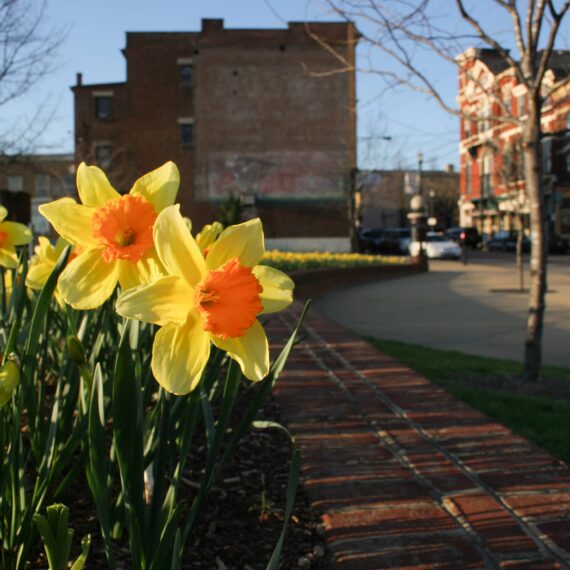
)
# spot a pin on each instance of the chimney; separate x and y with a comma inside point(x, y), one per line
point(450, 169)
point(79, 79)
point(212, 25)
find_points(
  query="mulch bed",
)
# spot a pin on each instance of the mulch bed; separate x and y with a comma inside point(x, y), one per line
point(243, 516)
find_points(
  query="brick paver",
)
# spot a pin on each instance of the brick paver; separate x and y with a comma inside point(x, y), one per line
point(407, 477)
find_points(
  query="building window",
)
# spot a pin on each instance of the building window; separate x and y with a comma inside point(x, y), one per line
point(103, 155)
point(15, 183)
point(467, 175)
point(42, 188)
point(507, 103)
point(103, 107)
point(521, 104)
point(69, 184)
point(186, 75)
point(39, 224)
point(487, 175)
point(485, 116)
point(467, 127)
point(187, 134)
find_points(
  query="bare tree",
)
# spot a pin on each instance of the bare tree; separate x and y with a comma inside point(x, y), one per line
point(28, 50)
point(402, 30)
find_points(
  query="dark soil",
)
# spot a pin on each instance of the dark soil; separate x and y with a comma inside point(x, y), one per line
point(242, 518)
point(551, 388)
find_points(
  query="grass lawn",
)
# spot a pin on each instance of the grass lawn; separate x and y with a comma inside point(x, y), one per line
point(488, 384)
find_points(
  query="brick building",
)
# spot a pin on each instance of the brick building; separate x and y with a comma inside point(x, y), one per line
point(492, 185)
point(38, 178)
point(248, 112)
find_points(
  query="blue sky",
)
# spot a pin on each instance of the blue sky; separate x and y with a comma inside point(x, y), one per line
point(97, 34)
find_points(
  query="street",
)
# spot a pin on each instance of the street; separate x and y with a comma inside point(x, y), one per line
point(470, 308)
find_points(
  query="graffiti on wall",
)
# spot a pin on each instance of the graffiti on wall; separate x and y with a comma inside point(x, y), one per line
point(275, 175)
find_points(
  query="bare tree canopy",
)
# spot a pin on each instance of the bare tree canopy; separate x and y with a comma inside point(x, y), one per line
point(522, 35)
point(28, 52)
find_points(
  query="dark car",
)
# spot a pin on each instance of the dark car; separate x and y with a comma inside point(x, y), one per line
point(469, 236)
point(401, 239)
point(378, 240)
point(557, 244)
point(506, 240)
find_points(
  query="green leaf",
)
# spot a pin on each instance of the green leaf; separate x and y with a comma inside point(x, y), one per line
point(97, 464)
point(268, 425)
point(82, 559)
point(128, 437)
point(294, 473)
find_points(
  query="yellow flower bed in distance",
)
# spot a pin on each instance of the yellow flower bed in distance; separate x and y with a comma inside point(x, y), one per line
point(294, 261)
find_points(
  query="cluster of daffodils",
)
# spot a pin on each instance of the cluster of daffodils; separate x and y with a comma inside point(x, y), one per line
point(291, 261)
point(203, 291)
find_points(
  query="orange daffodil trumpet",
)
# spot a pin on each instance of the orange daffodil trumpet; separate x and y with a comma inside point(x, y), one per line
point(216, 299)
point(114, 233)
point(12, 234)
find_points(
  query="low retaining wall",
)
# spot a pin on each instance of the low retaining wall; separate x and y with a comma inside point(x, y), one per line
point(311, 283)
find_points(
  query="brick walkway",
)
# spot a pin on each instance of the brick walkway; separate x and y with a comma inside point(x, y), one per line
point(405, 476)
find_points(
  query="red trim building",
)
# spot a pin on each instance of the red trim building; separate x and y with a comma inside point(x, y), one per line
point(492, 189)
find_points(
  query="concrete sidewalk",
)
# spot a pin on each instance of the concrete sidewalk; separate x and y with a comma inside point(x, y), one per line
point(455, 307)
point(405, 476)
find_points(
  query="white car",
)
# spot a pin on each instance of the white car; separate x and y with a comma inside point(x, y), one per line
point(437, 246)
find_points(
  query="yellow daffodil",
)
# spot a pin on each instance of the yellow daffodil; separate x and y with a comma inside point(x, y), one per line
point(12, 234)
point(43, 262)
point(208, 236)
point(216, 299)
point(114, 233)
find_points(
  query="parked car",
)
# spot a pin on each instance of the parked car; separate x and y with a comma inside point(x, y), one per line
point(469, 236)
point(557, 244)
point(506, 240)
point(437, 246)
point(402, 237)
point(378, 240)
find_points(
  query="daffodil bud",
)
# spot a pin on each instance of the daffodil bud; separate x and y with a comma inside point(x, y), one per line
point(76, 351)
point(9, 380)
point(209, 235)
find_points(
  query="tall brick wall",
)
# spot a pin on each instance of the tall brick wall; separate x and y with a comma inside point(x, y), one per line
point(269, 121)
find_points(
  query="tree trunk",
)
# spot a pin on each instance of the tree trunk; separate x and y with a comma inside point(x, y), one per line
point(520, 264)
point(533, 179)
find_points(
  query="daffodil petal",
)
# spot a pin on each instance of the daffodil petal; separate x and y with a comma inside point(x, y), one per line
point(44, 249)
point(176, 247)
point(71, 221)
point(8, 257)
point(3, 213)
point(88, 281)
point(250, 351)
point(277, 291)
point(179, 355)
point(244, 241)
point(37, 275)
point(166, 300)
point(93, 186)
point(160, 186)
point(16, 234)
